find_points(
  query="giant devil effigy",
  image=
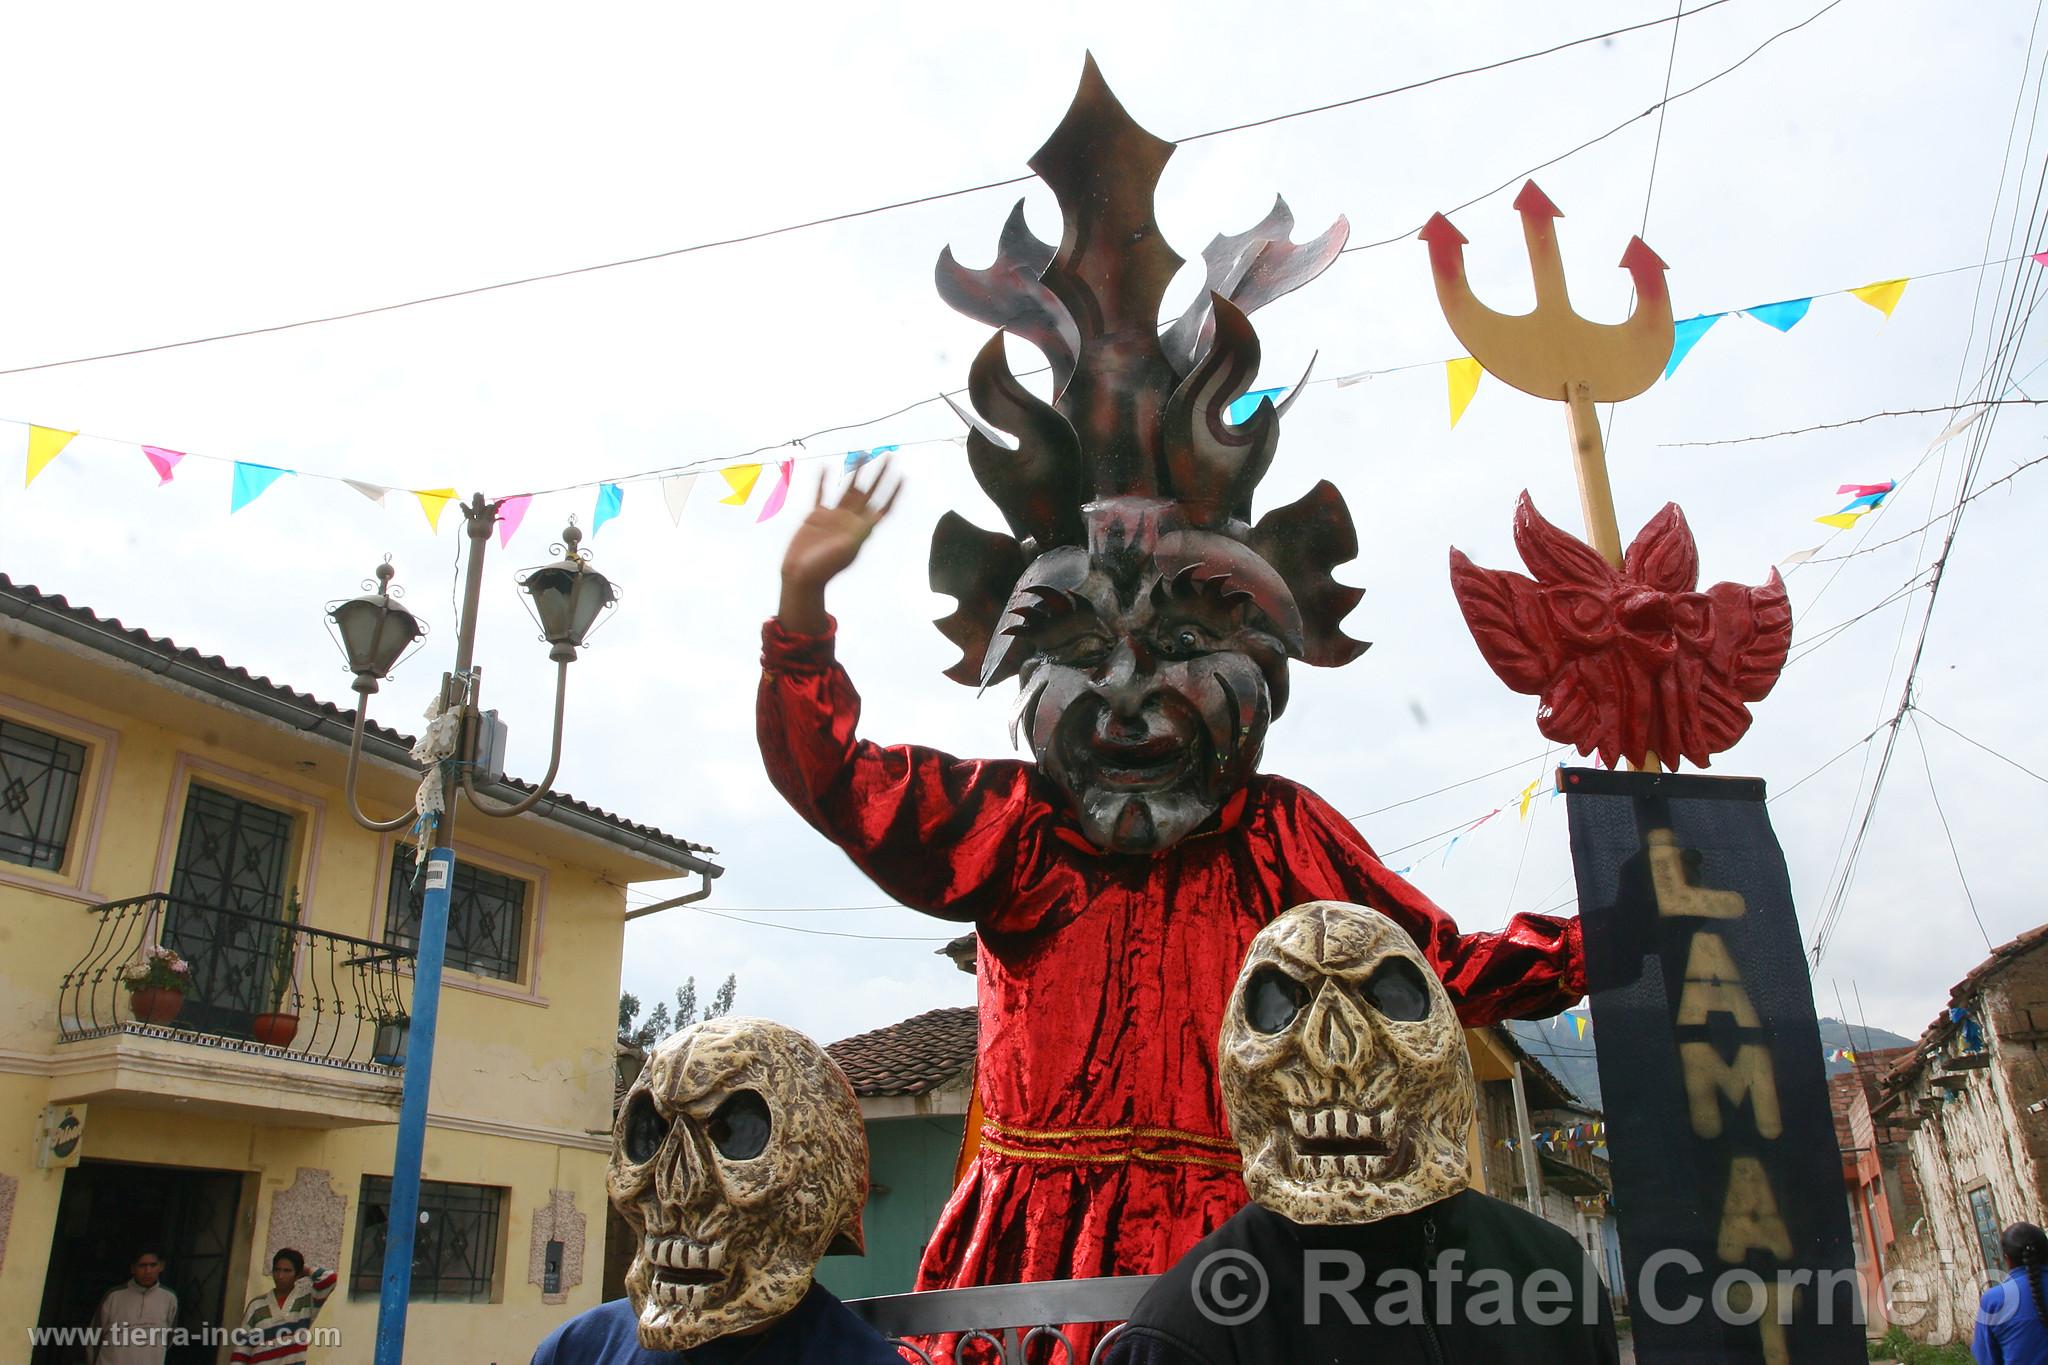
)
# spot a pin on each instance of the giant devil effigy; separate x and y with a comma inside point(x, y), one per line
point(1149, 612)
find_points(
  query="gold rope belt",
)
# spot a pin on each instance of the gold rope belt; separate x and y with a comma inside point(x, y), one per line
point(1109, 1146)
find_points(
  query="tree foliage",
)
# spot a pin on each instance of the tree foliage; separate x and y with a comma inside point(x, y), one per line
point(661, 1023)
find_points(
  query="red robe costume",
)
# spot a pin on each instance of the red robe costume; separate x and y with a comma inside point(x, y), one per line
point(1103, 977)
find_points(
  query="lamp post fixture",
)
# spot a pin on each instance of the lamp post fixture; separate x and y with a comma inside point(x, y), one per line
point(567, 598)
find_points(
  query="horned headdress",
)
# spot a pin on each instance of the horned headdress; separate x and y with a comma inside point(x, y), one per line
point(1135, 459)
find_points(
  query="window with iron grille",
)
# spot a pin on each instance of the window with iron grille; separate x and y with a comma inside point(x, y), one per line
point(454, 1248)
point(39, 777)
point(486, 915)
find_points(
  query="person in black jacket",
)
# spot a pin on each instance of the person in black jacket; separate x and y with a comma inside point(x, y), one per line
point(1350, 1096)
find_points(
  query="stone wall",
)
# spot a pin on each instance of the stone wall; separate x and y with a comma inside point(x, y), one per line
point(1972, 1133)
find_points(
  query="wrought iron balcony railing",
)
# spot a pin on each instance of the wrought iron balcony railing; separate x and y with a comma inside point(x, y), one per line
point(261, 985)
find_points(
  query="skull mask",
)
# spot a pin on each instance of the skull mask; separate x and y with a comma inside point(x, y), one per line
point(1344, 1070)
point(738, 1161)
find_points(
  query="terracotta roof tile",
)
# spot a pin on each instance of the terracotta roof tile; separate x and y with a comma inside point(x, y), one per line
point(913, 1057)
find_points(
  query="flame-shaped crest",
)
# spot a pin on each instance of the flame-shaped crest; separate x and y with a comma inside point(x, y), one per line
point(1135, 413)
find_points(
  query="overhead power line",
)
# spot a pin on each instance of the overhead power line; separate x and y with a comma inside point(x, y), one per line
point(852, 214)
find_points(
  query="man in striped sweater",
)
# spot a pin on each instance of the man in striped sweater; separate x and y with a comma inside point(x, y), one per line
point(277, 1326)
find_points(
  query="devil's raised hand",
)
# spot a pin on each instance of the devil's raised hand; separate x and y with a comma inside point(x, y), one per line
point(828, 541)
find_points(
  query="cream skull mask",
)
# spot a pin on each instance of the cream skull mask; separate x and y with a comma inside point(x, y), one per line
point(739, 1159)
point(1344, 1070)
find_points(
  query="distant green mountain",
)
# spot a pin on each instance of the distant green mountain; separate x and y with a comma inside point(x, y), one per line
point(1556, 1044)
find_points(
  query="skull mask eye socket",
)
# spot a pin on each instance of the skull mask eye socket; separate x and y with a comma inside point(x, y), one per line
point(1273, 1000)
point(739, 1129)
point(645, 1130)
point(1396, 989)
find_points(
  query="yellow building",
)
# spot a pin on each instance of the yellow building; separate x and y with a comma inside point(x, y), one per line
point(150, 795)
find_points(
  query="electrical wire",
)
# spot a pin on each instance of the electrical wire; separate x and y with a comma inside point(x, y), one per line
point(1908, 535)
point(849, 215)
point(2002, 758)
point(1949, 834)
point(2003, 355)
point(1848, 421)
point(820, 933)
point(1597, 138)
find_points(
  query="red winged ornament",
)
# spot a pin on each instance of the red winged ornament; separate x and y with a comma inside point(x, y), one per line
point(1631, 662)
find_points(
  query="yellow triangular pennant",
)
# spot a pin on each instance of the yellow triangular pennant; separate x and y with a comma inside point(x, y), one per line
point(1842, 519)
point(1883, 296)
point(43, 445)
point(432, 501)
point(741, 478)
point(1528, 794)
point(1463, 375)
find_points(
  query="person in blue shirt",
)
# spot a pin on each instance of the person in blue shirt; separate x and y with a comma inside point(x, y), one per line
point(738, 1159)
point(2012, 1317)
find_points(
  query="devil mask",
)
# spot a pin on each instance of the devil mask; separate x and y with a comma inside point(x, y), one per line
point(1344, 1070)
point(1147, 616)
point(738, 1161)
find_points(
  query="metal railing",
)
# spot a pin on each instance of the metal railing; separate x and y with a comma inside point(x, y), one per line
point(1008, 1319)
point(256, 984)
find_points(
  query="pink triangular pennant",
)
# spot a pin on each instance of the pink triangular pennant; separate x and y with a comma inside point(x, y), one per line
point(163, 461)
point(511, 511)
point(780, 493)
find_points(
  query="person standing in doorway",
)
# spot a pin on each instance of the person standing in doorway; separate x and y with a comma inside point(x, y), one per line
point(134, 1322)
point(277, 1326)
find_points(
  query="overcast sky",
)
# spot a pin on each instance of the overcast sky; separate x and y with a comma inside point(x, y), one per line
point(175, 172)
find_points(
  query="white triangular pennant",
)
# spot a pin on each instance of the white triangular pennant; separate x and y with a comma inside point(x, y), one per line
point(675, 491)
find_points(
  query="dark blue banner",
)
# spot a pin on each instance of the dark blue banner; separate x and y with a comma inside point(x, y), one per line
point(1728, 1184)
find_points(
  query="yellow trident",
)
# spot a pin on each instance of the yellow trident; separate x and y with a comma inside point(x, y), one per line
point(1554, 353)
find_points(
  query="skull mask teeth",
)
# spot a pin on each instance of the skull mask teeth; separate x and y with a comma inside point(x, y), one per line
point(739, 1159)
point(1344, 1070)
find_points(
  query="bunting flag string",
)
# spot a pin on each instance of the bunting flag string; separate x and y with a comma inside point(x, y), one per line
point(740, 478)
point(676, 493)
point(1241, 410)
point(162, 461)
point(1864, 498)
point(610, 499)
point(1590, 1134)
point(44, 445)
point(778, 494)
point(1462, 375)
point(511, 511)
point(742, 474)
point(433, 501)
point(251, 481)
point(1520, 800)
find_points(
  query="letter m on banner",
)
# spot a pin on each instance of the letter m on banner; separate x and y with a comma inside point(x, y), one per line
point(1727, 1182)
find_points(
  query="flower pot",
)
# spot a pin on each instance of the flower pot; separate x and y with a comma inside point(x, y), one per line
point(388, 1048)
point(155, 1004)
point(275, 1030)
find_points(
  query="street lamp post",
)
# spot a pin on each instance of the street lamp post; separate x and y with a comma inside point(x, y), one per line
point(567, 598)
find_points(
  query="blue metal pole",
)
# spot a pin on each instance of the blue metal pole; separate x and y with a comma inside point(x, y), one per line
point(402, 1216)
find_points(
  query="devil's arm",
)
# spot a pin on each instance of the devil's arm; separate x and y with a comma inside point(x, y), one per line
point(1530, 969)
point(944, 835)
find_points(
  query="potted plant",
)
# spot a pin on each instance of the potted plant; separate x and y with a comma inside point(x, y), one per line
point(156, 984)
point(277, 1026)
point(388, 1048)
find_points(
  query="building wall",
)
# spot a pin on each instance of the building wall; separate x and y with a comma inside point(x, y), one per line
point(1981, 1136)
point(523, 1077)
point(911, 1177)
